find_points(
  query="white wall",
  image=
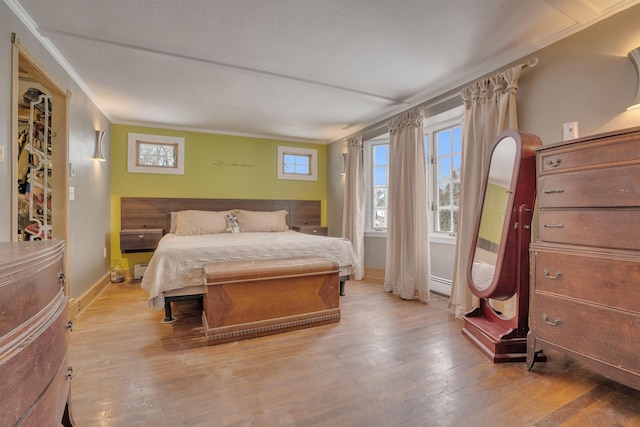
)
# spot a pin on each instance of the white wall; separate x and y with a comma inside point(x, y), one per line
point(88, 215)
point(586, 77)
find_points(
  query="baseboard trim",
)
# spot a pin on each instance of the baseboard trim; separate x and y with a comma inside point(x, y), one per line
point(374, 273)
point(79, 304)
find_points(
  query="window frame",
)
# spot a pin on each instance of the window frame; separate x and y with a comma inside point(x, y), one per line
point(368, 177)
point(134, 139)
point(301, 152)
point(433, 124)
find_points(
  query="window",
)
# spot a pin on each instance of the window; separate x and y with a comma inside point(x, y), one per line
point(380, 185)
point(155, 154)
point(443, 148)
point(297, 163)
point(376, 153)
point(445, 161)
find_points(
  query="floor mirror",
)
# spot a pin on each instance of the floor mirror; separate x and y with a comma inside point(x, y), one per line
point(499, 259)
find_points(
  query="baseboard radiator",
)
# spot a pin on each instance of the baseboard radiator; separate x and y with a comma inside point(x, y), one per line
point(440, 285)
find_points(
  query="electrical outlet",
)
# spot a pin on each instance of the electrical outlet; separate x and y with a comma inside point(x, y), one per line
point(1, 154)
point(72, 193)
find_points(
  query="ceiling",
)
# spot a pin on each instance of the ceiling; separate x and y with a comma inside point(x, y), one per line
point(303, 70)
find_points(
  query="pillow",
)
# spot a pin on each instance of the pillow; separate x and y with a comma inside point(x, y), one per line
point(189, 223)
point(262, 221)
point(172, 222)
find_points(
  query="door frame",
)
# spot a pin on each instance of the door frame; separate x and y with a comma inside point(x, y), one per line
point(22, 58)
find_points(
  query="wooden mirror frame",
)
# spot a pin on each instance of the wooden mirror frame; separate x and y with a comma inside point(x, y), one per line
point(503, 339)
point(521, 194)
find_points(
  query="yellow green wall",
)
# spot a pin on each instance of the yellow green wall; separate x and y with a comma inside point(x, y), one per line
point(493, 213)
point(216, 166)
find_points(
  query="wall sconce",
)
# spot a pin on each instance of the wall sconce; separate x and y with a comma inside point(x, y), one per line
point(344, 163)
point(634, 56)
point(98, 153)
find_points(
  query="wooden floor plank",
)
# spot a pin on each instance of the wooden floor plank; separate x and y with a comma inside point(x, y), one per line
point(388, 362)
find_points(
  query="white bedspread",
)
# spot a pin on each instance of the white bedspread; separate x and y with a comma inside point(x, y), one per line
point(178, 260)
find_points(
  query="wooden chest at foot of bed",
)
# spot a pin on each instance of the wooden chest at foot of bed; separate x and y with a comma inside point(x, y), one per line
point(247, 299)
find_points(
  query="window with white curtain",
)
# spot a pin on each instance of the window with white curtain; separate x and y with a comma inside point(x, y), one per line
point(443, 149)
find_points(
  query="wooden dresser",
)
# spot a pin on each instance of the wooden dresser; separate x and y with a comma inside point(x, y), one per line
point(585, 261)
point(34, 335)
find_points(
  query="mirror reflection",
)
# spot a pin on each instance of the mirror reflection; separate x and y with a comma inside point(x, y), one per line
point(494, 211)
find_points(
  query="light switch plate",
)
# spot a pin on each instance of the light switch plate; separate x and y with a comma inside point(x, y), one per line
point(72, 193)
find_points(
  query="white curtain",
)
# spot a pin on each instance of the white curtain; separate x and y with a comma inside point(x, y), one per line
point(407, 263)
point(490, 108)
point(353, 215)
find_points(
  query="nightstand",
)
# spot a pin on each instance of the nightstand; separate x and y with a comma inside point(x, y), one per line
point(317, 230)
point(140, 239)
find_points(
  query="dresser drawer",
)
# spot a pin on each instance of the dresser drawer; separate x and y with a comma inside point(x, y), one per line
point(619, 186)
point(609, 281)
point(604, 228)
point(140, 239)
point(30, 367)
point(27, 289)
point(49, 408)
point(609, 335)
point(311, 229)
point(621, 150)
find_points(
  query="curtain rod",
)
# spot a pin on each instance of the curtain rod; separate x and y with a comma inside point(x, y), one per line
point(531, 62)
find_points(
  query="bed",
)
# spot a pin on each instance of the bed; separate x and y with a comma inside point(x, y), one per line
point(175, 269)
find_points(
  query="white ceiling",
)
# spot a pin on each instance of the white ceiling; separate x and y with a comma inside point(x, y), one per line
point(306, 70)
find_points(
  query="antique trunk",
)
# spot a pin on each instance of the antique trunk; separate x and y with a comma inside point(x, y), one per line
point(246, 299)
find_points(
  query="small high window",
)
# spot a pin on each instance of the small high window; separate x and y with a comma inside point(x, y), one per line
point(156, 154)
point(297, 163)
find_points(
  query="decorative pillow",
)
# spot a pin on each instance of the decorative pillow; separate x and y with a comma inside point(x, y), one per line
point(172, 222)
point(232, 222)
point(262, 221)
point(193, 222)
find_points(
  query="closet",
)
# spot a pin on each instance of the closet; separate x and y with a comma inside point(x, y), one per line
point(39, 158)
point(35, 150)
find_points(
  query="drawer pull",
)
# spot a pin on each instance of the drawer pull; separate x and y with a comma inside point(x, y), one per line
point(554, 226)
point(548, 276)
point(546, 320)
point(70, 373)
point(70, 325)
point(554, 191)
point(141, 236)
point(61, 278)
point(554, 163)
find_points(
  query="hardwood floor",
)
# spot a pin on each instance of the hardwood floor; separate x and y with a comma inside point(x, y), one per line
point(388, 362)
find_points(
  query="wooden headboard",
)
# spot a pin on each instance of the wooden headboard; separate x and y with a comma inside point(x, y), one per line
point(150, 212)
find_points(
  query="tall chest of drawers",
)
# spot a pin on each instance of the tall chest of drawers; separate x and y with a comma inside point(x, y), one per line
point(585, 259)
point(34, 335)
